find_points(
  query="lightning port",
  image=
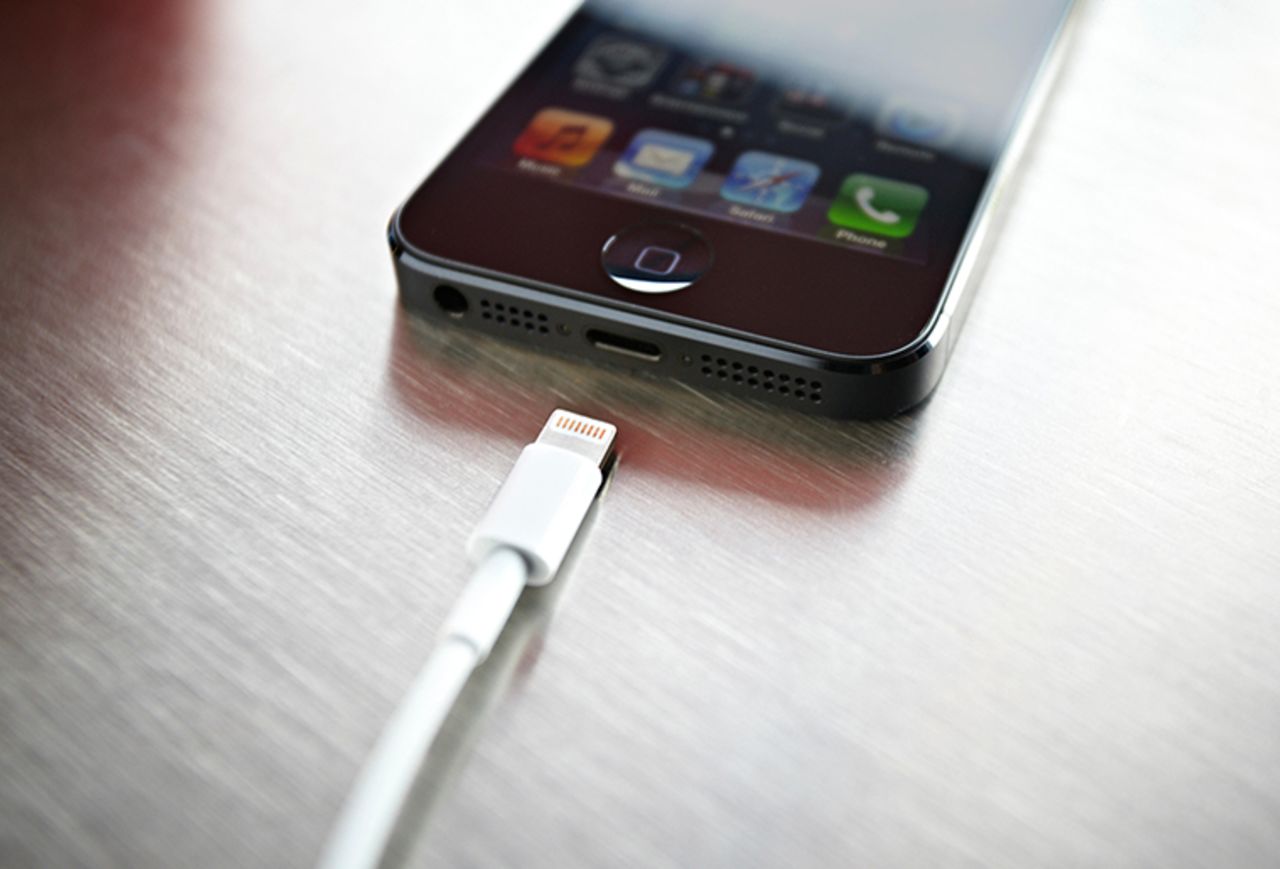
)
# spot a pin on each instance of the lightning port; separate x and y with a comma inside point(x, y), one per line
point(621, 344)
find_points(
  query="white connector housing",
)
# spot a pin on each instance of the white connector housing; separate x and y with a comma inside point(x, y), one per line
point(539, 509)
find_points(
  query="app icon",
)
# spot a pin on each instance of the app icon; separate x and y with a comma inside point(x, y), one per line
point(878, 205)
point(810, 105)
point(564, 137)
point(621, 62)
point(921, 122)
point(713, 82)
point(668, 159)
point(770, 181)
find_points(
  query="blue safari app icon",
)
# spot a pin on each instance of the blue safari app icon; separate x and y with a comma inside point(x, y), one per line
point(666, 159)
point(770, 181)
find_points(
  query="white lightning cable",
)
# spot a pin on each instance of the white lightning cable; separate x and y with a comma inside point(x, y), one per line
point(383, 785)
point(522, 540)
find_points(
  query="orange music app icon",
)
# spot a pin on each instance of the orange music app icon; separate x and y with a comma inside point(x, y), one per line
point(563, 137)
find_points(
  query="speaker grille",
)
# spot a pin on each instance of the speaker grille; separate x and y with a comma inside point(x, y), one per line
point(515, 316)
point(749, 376)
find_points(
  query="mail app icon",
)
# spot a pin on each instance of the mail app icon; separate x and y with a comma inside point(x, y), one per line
point(663, 158)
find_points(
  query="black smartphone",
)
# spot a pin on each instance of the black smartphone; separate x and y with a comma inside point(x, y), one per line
point(785, 200)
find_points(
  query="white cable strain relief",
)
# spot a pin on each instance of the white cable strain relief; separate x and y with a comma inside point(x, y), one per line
point(486, 602)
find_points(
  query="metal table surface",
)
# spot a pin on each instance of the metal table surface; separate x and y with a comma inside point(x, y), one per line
point(1033, 623)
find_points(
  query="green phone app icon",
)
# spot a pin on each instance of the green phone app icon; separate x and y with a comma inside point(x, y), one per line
point(878, 205)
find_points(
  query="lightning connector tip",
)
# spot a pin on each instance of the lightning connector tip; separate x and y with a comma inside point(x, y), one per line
point(590, 438)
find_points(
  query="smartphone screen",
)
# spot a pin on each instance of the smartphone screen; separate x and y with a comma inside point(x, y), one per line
point(832, 155)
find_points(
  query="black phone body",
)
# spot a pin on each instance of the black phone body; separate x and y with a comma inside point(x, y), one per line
point(787, 201)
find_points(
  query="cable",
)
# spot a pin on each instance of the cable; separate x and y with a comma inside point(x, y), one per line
point(383, 784)
point(522, 540)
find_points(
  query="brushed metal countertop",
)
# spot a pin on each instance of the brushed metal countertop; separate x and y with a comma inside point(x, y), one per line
point(1034, 623)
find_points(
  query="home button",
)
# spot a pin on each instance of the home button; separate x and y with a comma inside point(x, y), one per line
point(656, 257)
